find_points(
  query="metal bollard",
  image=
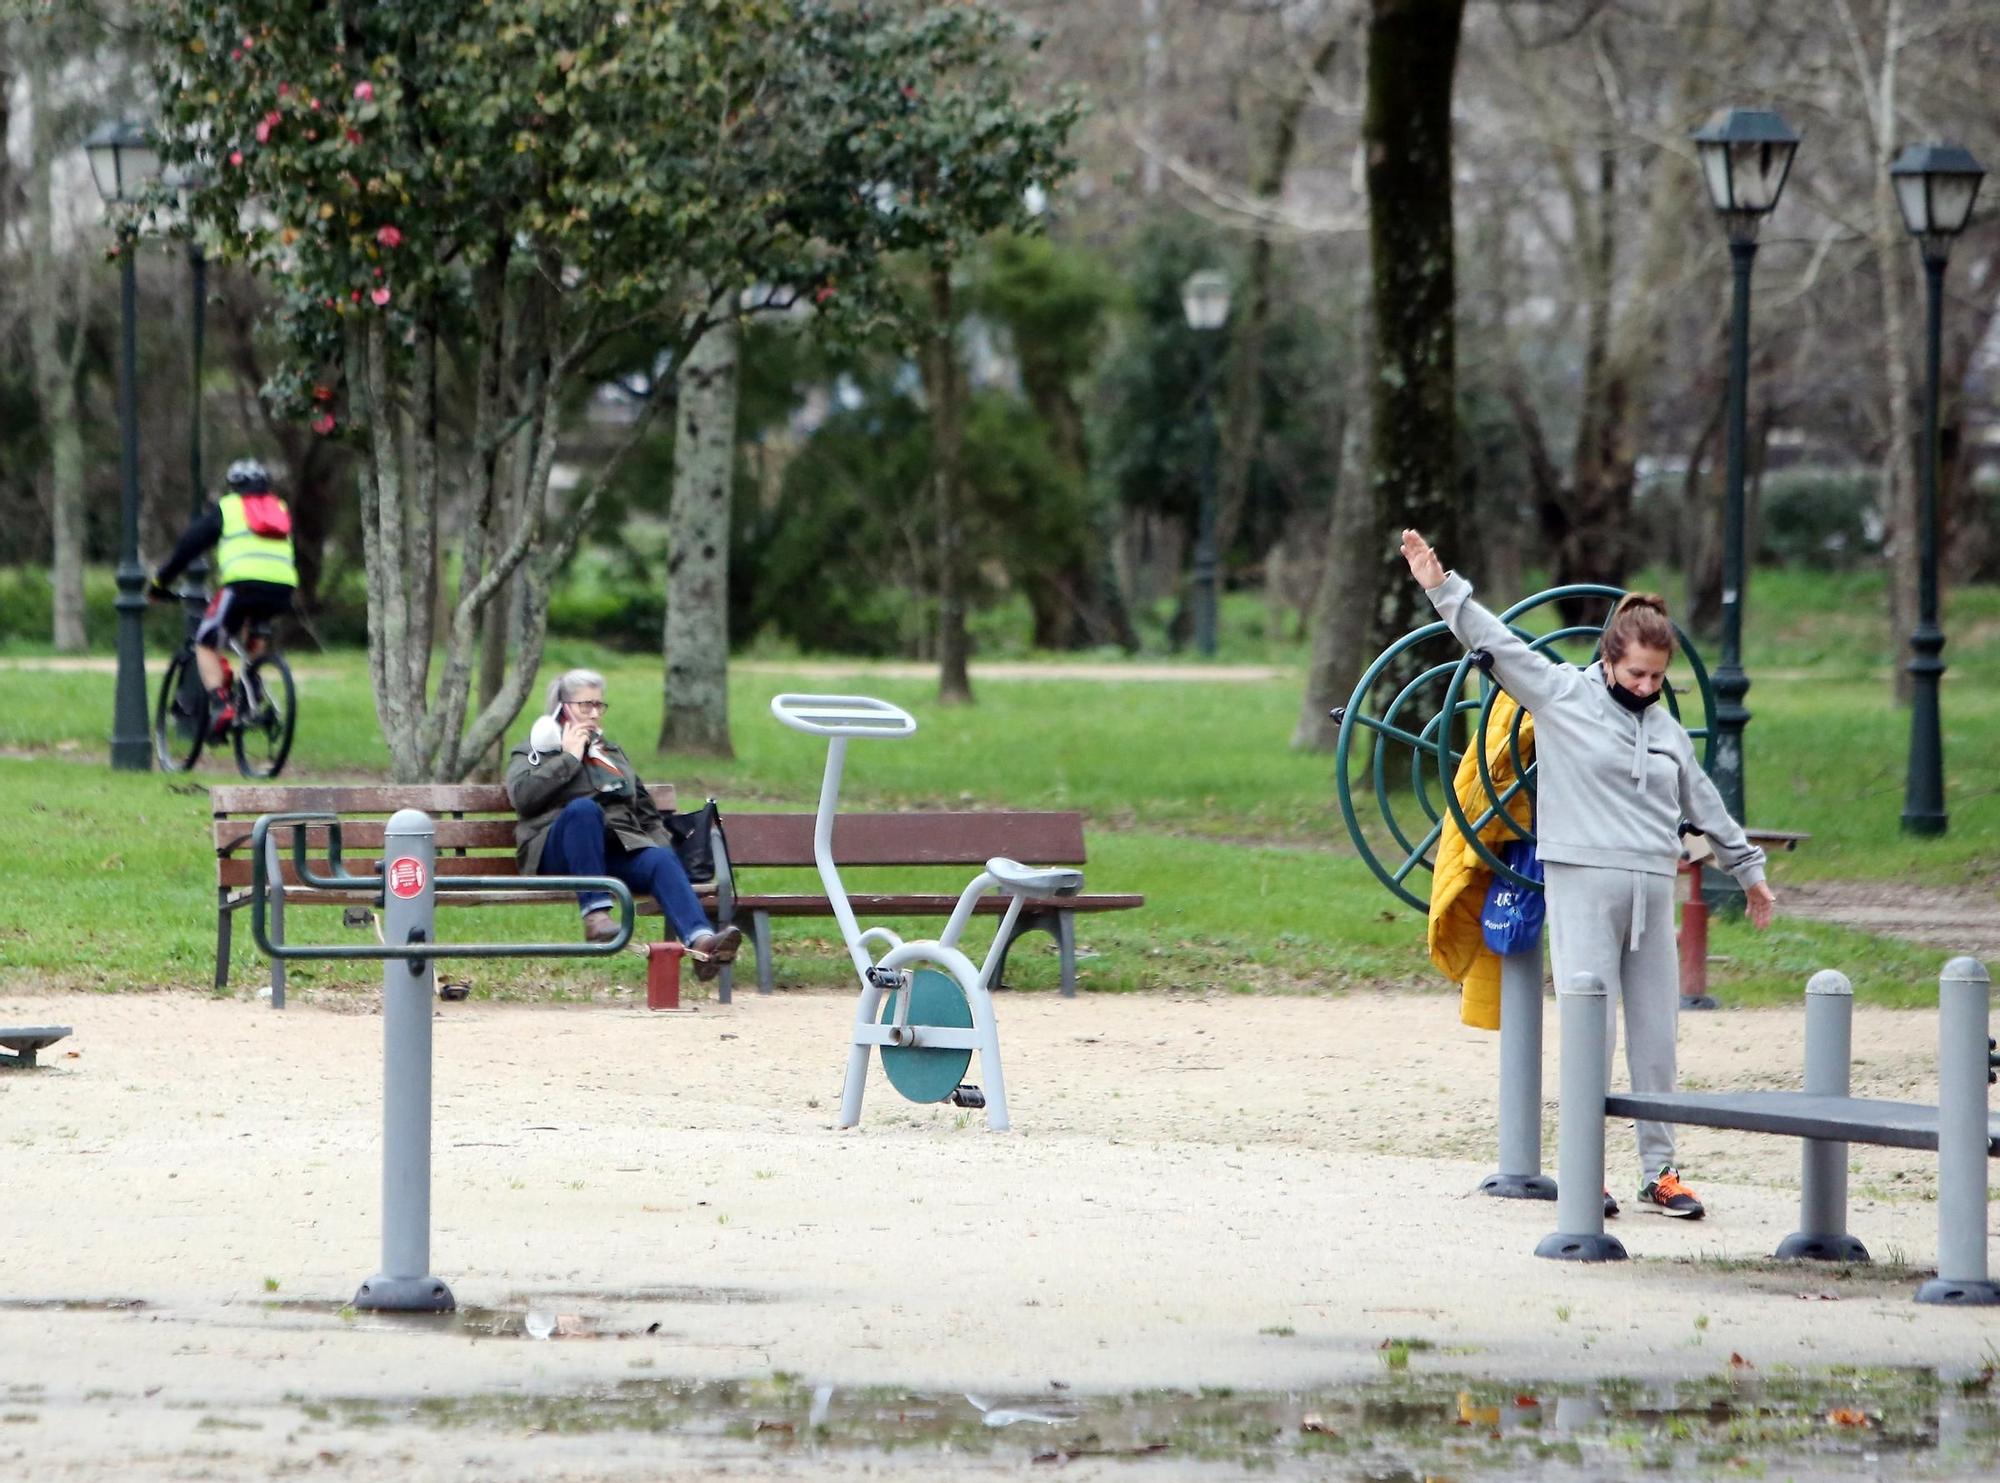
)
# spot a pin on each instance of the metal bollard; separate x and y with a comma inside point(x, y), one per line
point(1520, 1176)
point(1586, 1078)
point(1965, 993)
point(409, 901)
point(1822, 1233)
point(275, 865)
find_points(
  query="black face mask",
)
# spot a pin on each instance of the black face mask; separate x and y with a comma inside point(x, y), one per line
point(1631, 700)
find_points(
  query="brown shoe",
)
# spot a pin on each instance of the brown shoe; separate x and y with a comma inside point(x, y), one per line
point(598, 926)
point(716, 949)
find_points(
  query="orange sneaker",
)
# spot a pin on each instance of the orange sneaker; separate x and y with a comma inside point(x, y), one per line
point(1666, 1194)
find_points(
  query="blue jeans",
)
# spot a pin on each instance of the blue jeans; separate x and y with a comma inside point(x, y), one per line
point(580, 843)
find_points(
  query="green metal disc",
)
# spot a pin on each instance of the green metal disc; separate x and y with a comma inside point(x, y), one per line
point(925, 1073)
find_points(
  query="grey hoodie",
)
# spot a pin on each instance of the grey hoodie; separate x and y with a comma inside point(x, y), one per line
point(1613, 786)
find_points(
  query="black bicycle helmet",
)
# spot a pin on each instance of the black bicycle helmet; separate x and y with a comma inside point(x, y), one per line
point(248, 476)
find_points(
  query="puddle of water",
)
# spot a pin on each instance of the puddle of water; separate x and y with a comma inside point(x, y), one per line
point(72, 1305)
point(1834, 1424)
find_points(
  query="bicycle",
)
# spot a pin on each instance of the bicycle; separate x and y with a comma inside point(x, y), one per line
point(261, 688)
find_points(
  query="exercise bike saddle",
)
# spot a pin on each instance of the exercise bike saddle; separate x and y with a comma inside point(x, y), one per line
point(1034, 880)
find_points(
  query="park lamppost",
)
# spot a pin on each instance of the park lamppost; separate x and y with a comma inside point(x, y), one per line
point(1745, 156)
point(1205, 301)
point(1936, 185)
point(186, 183)
point(124, 164)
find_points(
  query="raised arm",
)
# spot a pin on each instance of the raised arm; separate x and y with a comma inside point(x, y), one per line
point(1530, 677)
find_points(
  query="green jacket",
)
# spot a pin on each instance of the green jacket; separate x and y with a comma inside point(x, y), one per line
point(540, 790)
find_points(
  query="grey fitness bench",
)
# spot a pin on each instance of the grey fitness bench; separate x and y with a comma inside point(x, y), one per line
point(1960, 1129)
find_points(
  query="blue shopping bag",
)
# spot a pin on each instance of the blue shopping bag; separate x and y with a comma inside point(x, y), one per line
point(1511, 920)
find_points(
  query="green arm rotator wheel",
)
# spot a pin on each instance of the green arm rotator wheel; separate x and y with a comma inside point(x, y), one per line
point(1392, 705)
point(927, 1073)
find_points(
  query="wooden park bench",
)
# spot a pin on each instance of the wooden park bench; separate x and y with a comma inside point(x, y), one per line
point(475, 836)
point(868, 841)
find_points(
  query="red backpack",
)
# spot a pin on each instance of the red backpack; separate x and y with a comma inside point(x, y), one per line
point(267, 515)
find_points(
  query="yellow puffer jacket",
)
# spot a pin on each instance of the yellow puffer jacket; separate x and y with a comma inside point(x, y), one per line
point(1458, 884)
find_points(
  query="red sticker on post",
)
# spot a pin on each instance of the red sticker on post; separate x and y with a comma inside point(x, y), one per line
point(406, 876)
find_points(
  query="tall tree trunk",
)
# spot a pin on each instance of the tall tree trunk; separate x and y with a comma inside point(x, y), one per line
point(1892, 265)
point(944, 389)
point(55, 365)
point(1406, 131)
point(1345, 601)
point(1243, 404)
point(696, 717)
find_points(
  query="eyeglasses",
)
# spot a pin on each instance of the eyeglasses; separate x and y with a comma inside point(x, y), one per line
point(589, 705)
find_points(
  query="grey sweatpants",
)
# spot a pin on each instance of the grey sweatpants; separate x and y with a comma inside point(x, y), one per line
point(1619, 925)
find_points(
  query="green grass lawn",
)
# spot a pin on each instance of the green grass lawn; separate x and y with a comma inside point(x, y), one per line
point(1192, 793)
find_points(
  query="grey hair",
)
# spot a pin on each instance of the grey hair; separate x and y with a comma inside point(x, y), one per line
point(565, 685)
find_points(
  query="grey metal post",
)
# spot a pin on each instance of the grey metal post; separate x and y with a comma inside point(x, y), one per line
point(1586, 1081)
point(1520, 1176)
point(409, 913)
point(1822, 1233)
point(1965, 993)
point(275, 862)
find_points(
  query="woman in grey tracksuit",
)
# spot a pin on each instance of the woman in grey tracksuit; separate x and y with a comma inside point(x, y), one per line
point(1617, 776)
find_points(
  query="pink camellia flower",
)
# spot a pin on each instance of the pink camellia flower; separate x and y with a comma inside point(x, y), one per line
point(249, 43)
point(353, 136)
point(313, 104)
point(355, 294)
point(235, 53)
point(323, 393)
point(381, 297)
point(390, 236)
point(236, 157)
point(284, 90)
point(263, 130)
point(364, 92)
point(323, 424)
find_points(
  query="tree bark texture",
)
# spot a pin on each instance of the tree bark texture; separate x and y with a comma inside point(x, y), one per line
point(55, 364)
point(1345, 601)
point(1406, 130)
point(696, 714)
point(944, 388)
point(1243, 400)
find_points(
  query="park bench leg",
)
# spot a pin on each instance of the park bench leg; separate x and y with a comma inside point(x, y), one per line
point(760, 940)
point(225, 912)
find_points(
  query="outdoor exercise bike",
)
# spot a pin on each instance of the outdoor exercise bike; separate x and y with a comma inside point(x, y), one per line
point(922, 1003)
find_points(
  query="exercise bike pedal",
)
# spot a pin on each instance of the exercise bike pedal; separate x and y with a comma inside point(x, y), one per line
point(968, 1096)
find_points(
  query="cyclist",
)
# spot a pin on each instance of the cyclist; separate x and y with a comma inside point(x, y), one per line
point(256, 572)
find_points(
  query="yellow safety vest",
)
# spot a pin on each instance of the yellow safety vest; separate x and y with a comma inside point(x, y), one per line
point(244, 556)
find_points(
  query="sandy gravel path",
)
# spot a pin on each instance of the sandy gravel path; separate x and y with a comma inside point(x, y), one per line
point(1240, 1191)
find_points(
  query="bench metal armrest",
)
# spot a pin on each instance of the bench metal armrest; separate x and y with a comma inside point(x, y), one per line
point(553, 884)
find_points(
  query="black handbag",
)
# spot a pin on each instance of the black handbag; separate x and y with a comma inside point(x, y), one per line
point(697, 839)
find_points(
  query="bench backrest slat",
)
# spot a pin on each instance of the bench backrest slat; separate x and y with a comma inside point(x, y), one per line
point(908, 839)
point(755, 839)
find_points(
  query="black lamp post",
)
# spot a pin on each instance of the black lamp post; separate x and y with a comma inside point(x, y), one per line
point(124, 165)
point(197, 571)
point(1745, 156)
point(1936, 185)
point(1205, 301)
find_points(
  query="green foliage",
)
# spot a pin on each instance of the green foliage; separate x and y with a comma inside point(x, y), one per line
point(1148, 433)
point(1825, 519)
point(372, 160)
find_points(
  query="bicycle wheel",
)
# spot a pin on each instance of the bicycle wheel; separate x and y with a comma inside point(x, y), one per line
point(267, 709)
point(180, 716)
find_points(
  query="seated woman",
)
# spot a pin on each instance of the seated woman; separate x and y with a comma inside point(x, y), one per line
point(584, 811)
